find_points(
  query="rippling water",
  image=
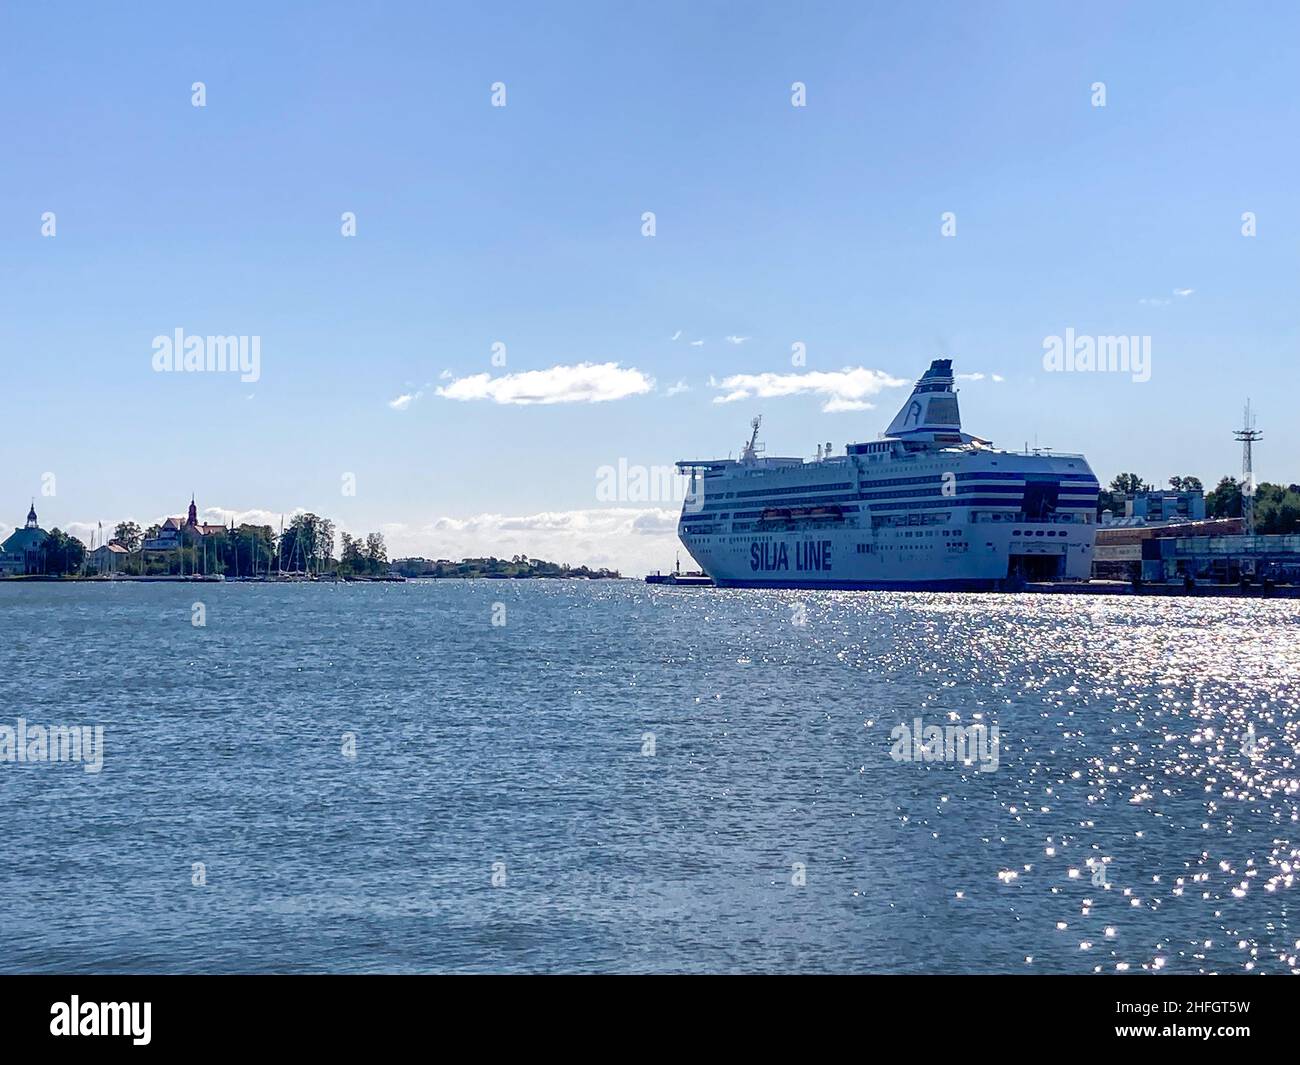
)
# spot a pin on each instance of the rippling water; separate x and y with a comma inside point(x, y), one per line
point(1155, 739)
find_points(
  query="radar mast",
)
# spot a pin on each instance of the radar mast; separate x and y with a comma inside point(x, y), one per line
point(749, 453)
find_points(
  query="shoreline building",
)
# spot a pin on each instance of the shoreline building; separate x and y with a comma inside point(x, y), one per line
point(1151, 514)
point(1169, 505)
point(24, 551)
point(1156, 506)
point(109, 558)
point(1119, 551)
point(1231, 559)
point(172, 532)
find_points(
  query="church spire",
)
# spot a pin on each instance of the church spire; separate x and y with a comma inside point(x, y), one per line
point(31, 516)
point(193, 517)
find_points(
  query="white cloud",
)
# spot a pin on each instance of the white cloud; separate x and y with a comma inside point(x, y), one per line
point(697, 343)
point(676, 335)
point(678, 388)
point(446, 375)
point(970, 377)
point(737, 340)
point(998, 378)
point(584, 383)
point(845, 390)
point(1165, 301)
point(253, 516)
point(405, 400)
point(656, 523)
point(81, 530)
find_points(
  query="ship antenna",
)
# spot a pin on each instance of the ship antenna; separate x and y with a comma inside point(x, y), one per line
point(749, 451)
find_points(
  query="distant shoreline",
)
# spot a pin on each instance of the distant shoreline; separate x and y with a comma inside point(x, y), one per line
point(44, 578)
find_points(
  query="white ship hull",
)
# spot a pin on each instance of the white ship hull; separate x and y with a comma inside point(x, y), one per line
point(985, 558)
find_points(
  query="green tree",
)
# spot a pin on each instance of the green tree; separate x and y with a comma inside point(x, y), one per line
point(1225, 500)
point(128, 534)
point(62, 554)
point(302, 544)
point(251, 550)
point(1128, 483)
point(1186, 484)
point(1277, 510)
point(376, 553)
point(352, 559)
point(324, 545)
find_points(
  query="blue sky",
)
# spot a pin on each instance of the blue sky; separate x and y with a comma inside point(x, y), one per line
point(522, 225)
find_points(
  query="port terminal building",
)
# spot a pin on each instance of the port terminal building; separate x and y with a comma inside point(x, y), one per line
point(1118, 552)
point(1222, 559)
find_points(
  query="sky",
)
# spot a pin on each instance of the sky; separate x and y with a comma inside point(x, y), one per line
point(504, 332)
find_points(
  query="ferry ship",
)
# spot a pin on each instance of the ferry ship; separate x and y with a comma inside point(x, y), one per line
point(925, 507)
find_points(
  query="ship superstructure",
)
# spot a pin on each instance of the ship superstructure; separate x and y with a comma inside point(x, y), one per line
point(926, 506)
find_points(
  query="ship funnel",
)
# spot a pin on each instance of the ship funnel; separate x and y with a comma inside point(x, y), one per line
point(931, 410)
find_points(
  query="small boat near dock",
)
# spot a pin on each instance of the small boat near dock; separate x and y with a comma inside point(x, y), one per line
point(679, 579)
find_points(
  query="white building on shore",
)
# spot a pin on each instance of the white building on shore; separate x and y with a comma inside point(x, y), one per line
point(110, 558)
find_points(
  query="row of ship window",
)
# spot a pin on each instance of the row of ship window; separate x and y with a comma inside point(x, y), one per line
point(1066, 480)
point(875, 549)
point(1014, 532)
point(961, 498)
